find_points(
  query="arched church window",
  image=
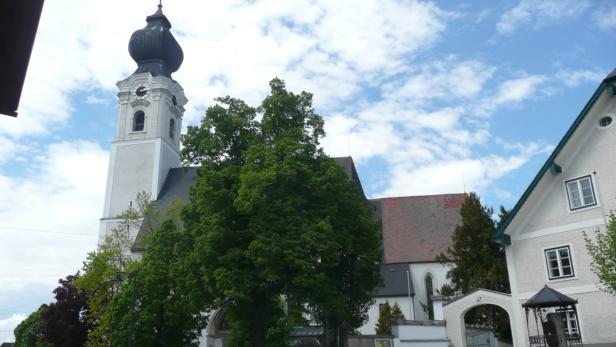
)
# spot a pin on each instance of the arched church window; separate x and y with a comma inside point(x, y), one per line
point(139, 121)
point(172, 128)
point(429, 292)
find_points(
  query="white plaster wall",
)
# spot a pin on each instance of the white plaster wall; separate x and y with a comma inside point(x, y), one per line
point(418, 274)
point(373, 312)
point(529, 260)
point(420, 336)
point(132, 173)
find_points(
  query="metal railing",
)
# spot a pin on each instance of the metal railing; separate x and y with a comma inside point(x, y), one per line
point(556, 341)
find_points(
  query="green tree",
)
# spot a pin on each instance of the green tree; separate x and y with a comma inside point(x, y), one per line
point(388, 313)
point(156, 305)
point(383, 326)
point(29, 333)
point(101, 269)
point(478, 262)
point(603, 252)
point(273, 216)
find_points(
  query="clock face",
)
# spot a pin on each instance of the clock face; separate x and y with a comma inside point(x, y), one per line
point(141, 91)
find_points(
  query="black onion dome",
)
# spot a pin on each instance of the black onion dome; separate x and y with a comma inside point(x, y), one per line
point(154, 48)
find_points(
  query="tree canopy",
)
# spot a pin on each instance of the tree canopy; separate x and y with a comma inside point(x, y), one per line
point(272, 216)
point(29, 333)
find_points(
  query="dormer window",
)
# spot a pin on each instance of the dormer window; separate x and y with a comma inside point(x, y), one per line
point(139, 121)
point(172, 128)
point(580, 193)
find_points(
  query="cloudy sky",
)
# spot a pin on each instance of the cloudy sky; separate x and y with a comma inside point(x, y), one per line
point(428, 97)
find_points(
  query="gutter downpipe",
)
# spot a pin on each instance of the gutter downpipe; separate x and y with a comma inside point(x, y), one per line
point(408, 287)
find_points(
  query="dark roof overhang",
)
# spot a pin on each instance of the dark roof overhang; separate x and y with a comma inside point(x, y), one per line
point(19, 21)
point(548, 297)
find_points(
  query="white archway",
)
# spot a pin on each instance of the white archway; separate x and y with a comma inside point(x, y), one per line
point(455, 311)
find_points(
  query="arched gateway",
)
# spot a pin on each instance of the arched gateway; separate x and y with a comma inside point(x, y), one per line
point(455, 311)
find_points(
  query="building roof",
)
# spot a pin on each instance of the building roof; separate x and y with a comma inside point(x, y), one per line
point(18, 25)
point(418, 228)
point(396, 282)
point(548, 297)
point(550, 164)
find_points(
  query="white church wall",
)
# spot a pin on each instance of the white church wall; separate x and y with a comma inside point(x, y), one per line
point(419, 271)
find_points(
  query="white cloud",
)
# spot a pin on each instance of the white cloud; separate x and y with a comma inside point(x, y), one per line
point(512, 91)
point(50, 219)
point(573, 78)
point(8, 325)
point(605, 18)
point(538, 13)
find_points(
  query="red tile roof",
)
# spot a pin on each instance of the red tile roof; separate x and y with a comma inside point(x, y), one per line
point(418, 228)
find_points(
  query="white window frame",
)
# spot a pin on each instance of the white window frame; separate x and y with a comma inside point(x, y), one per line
point(569, 320)
point(583, 206)
point(550, 278)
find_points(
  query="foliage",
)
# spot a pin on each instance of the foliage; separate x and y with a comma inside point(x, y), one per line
point(387, 313)
point(153, 306)
point(478, 262)
point(29, 333)
point(383, 326)
point(603, 252)
point(63, 321)
point(273, 216)
point(103, 266)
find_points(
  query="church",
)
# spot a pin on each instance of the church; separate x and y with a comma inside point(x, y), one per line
point(145, 157)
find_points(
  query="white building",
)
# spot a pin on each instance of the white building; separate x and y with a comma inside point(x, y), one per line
point(543, 235)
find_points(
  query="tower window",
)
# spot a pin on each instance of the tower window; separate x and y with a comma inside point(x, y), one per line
point(139, 121)
point(172, 128)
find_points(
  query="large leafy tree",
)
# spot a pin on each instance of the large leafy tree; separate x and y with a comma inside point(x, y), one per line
point(273, 216)
point(602, 249)
point(29, 333)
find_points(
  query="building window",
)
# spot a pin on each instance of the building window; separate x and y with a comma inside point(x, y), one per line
point(559, 262)
point(172, 128)
point(573, 330)
point(581, 193)
point(139, 121)
point(429, 292)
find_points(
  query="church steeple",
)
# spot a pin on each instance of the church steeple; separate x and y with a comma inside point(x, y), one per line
point(154, 48)
point(151, 107)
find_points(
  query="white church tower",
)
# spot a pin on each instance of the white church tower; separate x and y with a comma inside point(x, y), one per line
point(151, 105)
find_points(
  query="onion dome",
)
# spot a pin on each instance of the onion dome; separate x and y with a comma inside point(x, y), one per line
point(154, 48)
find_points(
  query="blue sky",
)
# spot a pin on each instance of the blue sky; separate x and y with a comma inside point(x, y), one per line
point(428, 97)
